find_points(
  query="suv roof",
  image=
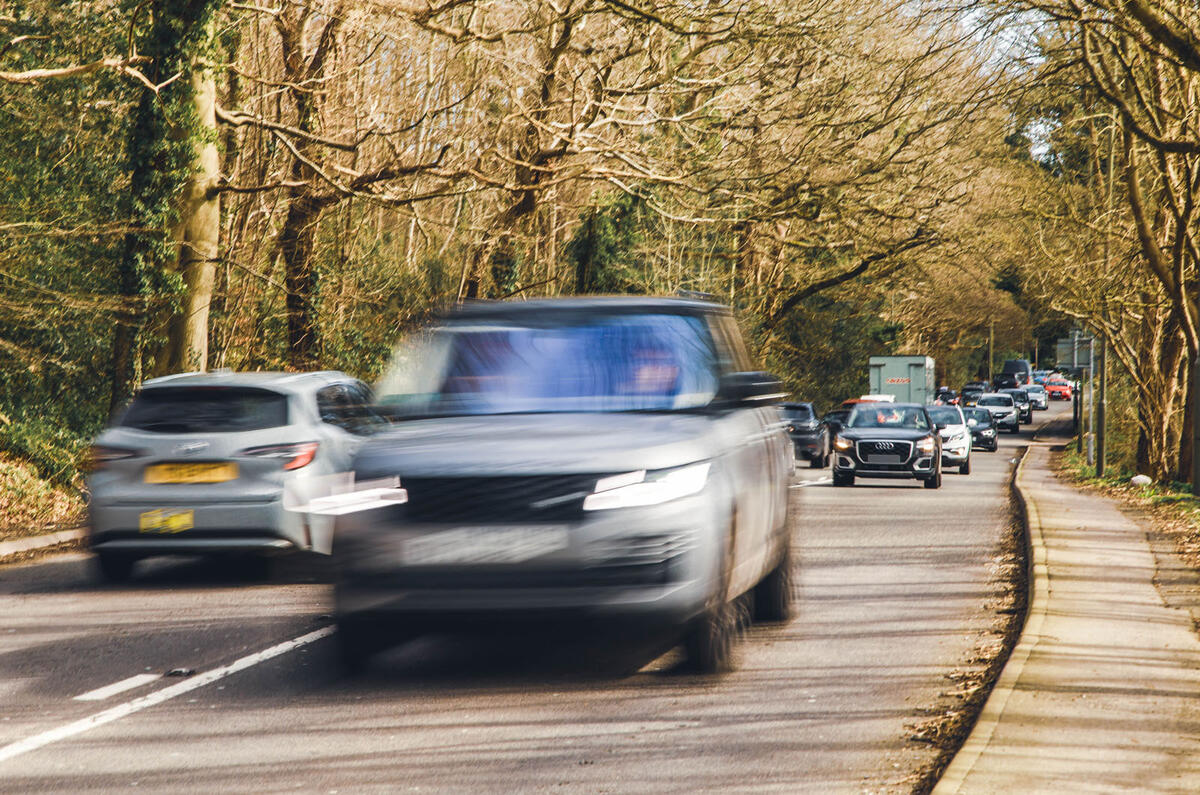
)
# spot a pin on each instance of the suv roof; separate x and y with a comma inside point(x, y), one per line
point(591, 304)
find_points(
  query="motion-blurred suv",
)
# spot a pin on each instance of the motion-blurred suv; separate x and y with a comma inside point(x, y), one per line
point(600, 458)
point(197, 465)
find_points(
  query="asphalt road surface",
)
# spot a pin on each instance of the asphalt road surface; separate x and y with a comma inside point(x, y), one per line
point(895, 586)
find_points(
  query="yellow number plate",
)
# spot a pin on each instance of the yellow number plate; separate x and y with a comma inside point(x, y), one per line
point(165, 521)
point(191, 473)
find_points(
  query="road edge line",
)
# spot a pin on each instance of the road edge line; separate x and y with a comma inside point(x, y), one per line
point(157, 697)
point(1037, 597)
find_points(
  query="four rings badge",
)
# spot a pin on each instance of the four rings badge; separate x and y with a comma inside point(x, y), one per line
point(885, 446)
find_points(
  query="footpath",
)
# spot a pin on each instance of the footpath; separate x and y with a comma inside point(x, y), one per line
point(1102, 692)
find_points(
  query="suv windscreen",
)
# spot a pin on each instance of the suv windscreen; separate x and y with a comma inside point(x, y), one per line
point(945, 415)
point(800, 413)
point(979, 416)
point(996, 400)
point(589, 363)
point(878, 416)
point(206, 410)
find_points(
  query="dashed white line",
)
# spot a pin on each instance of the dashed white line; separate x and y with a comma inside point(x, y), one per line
point(101, 693)
point(157, 697)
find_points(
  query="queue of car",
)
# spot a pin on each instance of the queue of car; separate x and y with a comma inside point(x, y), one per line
point(608, 459)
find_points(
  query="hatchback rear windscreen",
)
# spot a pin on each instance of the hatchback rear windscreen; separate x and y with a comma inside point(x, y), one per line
point(206, 410)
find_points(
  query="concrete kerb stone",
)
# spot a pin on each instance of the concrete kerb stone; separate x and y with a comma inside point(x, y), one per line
point(1037, 597)
point(18, 546)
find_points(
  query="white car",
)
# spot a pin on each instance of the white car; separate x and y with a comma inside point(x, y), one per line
point(1003, 409)
point(956, 437)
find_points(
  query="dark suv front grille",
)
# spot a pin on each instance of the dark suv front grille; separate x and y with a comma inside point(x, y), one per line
point(884, 451)
point(526, 498)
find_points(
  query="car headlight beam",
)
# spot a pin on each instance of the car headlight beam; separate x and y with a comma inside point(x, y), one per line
point(842, 443)
point(641, 488)
point(926, 445)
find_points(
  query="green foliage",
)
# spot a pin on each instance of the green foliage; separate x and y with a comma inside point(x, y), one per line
point(604, 251)
point(824, 348)
point(54, 450)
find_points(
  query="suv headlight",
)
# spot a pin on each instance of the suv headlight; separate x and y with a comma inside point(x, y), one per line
point(642, 488)
point(842, 443)
point(926, 445)
point(961, 436)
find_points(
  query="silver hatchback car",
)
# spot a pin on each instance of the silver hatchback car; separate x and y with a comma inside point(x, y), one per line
point(603, 458)
point(197, 464)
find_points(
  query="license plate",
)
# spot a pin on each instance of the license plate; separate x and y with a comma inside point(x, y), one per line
point(192, 473)
point(166, 520)
point(483, 545)
point(883, 459)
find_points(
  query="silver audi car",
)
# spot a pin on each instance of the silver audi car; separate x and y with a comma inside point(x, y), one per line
point(197, 464)
point(602, 458)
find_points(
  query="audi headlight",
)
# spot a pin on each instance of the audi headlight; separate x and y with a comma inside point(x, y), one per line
point(926, 445)
point(642, 488)
point(842, 443)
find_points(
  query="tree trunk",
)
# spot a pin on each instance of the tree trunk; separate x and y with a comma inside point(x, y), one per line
point(198, 235)
point(296, 244)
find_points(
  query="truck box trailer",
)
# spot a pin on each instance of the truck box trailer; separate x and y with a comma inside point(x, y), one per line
point(910, 378)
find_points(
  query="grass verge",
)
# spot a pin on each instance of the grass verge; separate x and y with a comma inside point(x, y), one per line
point(31, 505)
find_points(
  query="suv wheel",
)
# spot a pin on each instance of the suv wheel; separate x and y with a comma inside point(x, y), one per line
point(773, 595)
point(114, 567)
point(710, 639)
point(965, 467)
point(840, 479)
point(934, 482)
point(817, 462)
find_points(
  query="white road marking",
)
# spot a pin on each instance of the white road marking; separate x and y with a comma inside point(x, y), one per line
point(101, 693)
point(811, 483)
point(157, 697)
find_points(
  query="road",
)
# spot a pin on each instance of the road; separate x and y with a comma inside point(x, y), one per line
point(897, 591)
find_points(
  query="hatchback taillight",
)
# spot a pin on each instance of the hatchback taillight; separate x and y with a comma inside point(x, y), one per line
point(101, 455)
point(293, 456)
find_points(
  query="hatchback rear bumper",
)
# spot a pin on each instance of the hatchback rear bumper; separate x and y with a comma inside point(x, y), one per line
point(215, 528)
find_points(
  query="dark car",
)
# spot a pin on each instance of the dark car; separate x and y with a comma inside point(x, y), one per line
point(984, 431)
point(1024, 404)
point(969, 397)
point(1020, 368)
point(888, 440)
point(617, 460)
point(1004, 381)
point(975, 386)
point(945, 395)
point(808, 432)
point(834, 419)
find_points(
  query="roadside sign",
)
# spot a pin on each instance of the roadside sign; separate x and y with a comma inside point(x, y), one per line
point(1073, 352)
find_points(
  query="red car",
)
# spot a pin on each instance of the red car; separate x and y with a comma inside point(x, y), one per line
point(1058, 390)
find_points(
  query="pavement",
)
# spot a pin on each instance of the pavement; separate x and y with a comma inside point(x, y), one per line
point(18, 546)
point(1102, 692)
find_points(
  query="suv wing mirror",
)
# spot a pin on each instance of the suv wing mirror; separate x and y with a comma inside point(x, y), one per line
point(750, 389)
